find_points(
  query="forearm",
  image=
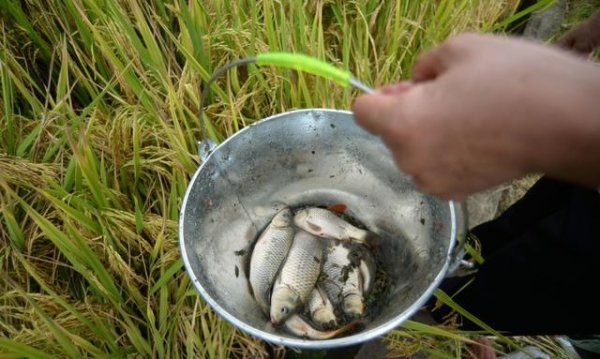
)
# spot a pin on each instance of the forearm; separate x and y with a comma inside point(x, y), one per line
point(572, 152)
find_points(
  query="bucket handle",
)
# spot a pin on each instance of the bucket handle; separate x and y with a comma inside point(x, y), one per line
point(295, 61)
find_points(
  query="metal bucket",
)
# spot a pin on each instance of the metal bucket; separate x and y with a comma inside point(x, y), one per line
point(314, 157)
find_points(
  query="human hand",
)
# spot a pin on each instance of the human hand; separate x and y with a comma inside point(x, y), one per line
point(481, 110)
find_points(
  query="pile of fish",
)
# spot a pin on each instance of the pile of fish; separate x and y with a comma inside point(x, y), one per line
point(312, 264)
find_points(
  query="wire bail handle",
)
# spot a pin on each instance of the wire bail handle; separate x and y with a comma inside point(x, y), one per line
point(295, 61)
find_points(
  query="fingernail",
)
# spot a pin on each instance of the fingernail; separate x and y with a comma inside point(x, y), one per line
point(396, 88)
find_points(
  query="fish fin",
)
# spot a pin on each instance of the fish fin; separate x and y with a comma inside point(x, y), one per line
point(337, 208)
point(353, 324)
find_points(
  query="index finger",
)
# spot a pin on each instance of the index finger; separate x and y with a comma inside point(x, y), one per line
point(436, 61)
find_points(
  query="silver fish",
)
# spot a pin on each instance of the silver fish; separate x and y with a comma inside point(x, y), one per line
point(342, 281)
point(352, 291)
point(269, 253)
point(297, 326)
point(326, 224)
point(367, 270)
point(297, 277)
point(321, 309)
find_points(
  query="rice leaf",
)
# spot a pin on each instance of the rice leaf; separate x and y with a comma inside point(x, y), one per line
point(23, 350)
point(14, 229)
point(167, 275)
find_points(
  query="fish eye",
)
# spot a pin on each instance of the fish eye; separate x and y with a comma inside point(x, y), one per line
point(284, 310)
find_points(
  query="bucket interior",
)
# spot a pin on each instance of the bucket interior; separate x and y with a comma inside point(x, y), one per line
point(310, 157)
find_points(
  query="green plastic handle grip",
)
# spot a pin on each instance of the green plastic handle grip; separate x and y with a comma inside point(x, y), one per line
point(301, 62)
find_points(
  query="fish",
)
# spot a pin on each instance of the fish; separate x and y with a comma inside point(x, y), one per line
point(268, 255)
point(298, 326)
point(326, 224)
point(298, 276)
point(342, 281)
point(367, 270)
point(321, 309)
point(352, 292)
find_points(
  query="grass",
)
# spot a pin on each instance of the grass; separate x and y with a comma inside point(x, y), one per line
point(98, 136)
point(578, 11)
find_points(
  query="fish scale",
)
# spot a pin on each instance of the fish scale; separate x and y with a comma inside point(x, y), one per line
point(297, 278)
point(303, 264)
point(341, 278)
point(269, 253)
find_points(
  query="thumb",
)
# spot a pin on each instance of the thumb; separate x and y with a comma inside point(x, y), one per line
point(373, 112)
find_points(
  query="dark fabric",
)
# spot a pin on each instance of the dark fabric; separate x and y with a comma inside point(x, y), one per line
point(542, 265)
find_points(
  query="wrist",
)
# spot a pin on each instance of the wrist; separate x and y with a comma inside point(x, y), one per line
point(572, 152)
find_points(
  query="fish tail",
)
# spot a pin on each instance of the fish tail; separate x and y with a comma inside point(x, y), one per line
point(299, 327)
point(342, 329)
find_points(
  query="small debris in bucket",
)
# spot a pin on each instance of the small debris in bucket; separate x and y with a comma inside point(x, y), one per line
point(207, 204)
point(313, 272)
point(241, 252)
point(337, 208)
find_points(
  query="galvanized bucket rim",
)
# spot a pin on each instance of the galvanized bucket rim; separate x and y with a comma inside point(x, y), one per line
point(353, 339)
